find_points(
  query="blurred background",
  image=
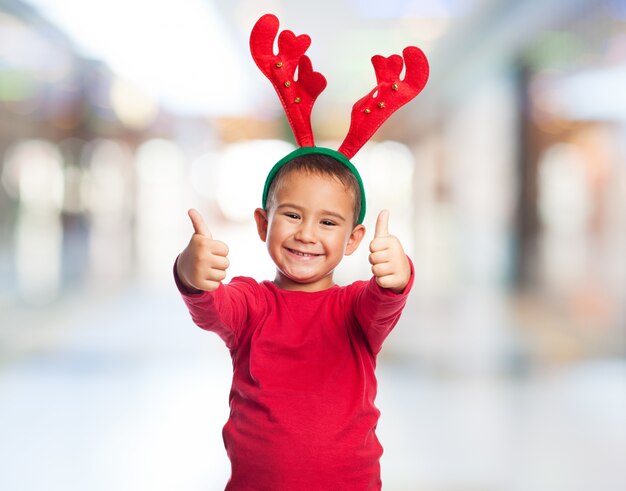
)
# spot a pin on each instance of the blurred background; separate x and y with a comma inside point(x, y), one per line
point(506, 181)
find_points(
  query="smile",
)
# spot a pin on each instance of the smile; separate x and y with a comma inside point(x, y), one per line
point(302, 254)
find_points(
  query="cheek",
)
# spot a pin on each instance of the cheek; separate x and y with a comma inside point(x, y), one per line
point(340, 241)
point(275, 232)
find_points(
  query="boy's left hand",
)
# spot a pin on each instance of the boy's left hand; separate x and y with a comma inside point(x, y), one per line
point(390, 265)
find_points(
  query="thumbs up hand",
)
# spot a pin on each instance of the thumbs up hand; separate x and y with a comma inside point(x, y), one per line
point(390, 265)
point(203, 263)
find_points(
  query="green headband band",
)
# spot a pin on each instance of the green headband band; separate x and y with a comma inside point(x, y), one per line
point(319, 151)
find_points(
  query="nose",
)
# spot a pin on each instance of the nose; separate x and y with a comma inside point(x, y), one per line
point(306, 232)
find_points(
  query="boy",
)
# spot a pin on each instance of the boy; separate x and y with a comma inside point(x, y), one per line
point(304, 349)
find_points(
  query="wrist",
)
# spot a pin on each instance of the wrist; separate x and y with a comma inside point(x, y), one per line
point(181, 282)
point(401, 285)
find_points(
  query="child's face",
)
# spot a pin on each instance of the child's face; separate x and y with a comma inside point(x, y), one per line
point(308, 230)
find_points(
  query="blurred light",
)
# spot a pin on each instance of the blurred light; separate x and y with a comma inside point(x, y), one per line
point(159, 164)
point(73, 181)
point(37, 167)
point(108, 199)
point(564, 201)
point(388, 167)
point(424, 30)
point(243, 168)
point(106, 190)
point(23, 48)
point(590, 95)
point(392, 9)
point(248, 12)
point(387, 171)
point(179, 51)
point(162, 200)
point(202, 175)
point(134, 107)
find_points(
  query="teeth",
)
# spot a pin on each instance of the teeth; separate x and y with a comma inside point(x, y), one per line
point(303, 254)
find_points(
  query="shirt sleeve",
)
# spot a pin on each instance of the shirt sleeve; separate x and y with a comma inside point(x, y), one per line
point(225, 311)
point(377, 310)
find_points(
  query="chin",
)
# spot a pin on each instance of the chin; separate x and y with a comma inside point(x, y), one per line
point(301, 280)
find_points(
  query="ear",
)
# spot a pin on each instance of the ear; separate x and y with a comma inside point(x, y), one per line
point(260, 217)
point(356, 236)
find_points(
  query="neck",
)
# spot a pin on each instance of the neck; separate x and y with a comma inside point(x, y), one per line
point(285, 283)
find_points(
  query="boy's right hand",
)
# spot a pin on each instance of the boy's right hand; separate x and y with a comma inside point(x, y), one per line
point(203, 263)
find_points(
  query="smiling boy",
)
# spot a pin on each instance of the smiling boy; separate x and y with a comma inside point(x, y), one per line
point(302, 413)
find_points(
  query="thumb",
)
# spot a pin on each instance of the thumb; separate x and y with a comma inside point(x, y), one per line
point(382, 224)
point(199, 225)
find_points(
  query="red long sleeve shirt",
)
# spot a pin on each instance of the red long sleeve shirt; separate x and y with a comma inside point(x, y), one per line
point(302, 413)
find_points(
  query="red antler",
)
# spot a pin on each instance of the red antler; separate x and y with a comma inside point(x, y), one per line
point(389, 95)
point(297, 96)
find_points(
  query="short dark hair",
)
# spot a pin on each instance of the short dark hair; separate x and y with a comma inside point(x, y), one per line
point(321, 165)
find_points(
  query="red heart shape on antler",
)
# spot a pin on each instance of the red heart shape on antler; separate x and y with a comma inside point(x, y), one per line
point(313, 82)
point(387, 69)
point(292, 46)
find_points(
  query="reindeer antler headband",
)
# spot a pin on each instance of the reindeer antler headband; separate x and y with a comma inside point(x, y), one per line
point(298, 96)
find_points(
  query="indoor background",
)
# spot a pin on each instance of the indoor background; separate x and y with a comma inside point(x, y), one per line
point(506, 182)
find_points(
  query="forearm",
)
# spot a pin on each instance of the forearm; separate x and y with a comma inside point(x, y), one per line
point(204, 310)
point(378, 310)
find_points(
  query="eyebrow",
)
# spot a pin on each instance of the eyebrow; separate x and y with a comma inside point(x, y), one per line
point(323, 212)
